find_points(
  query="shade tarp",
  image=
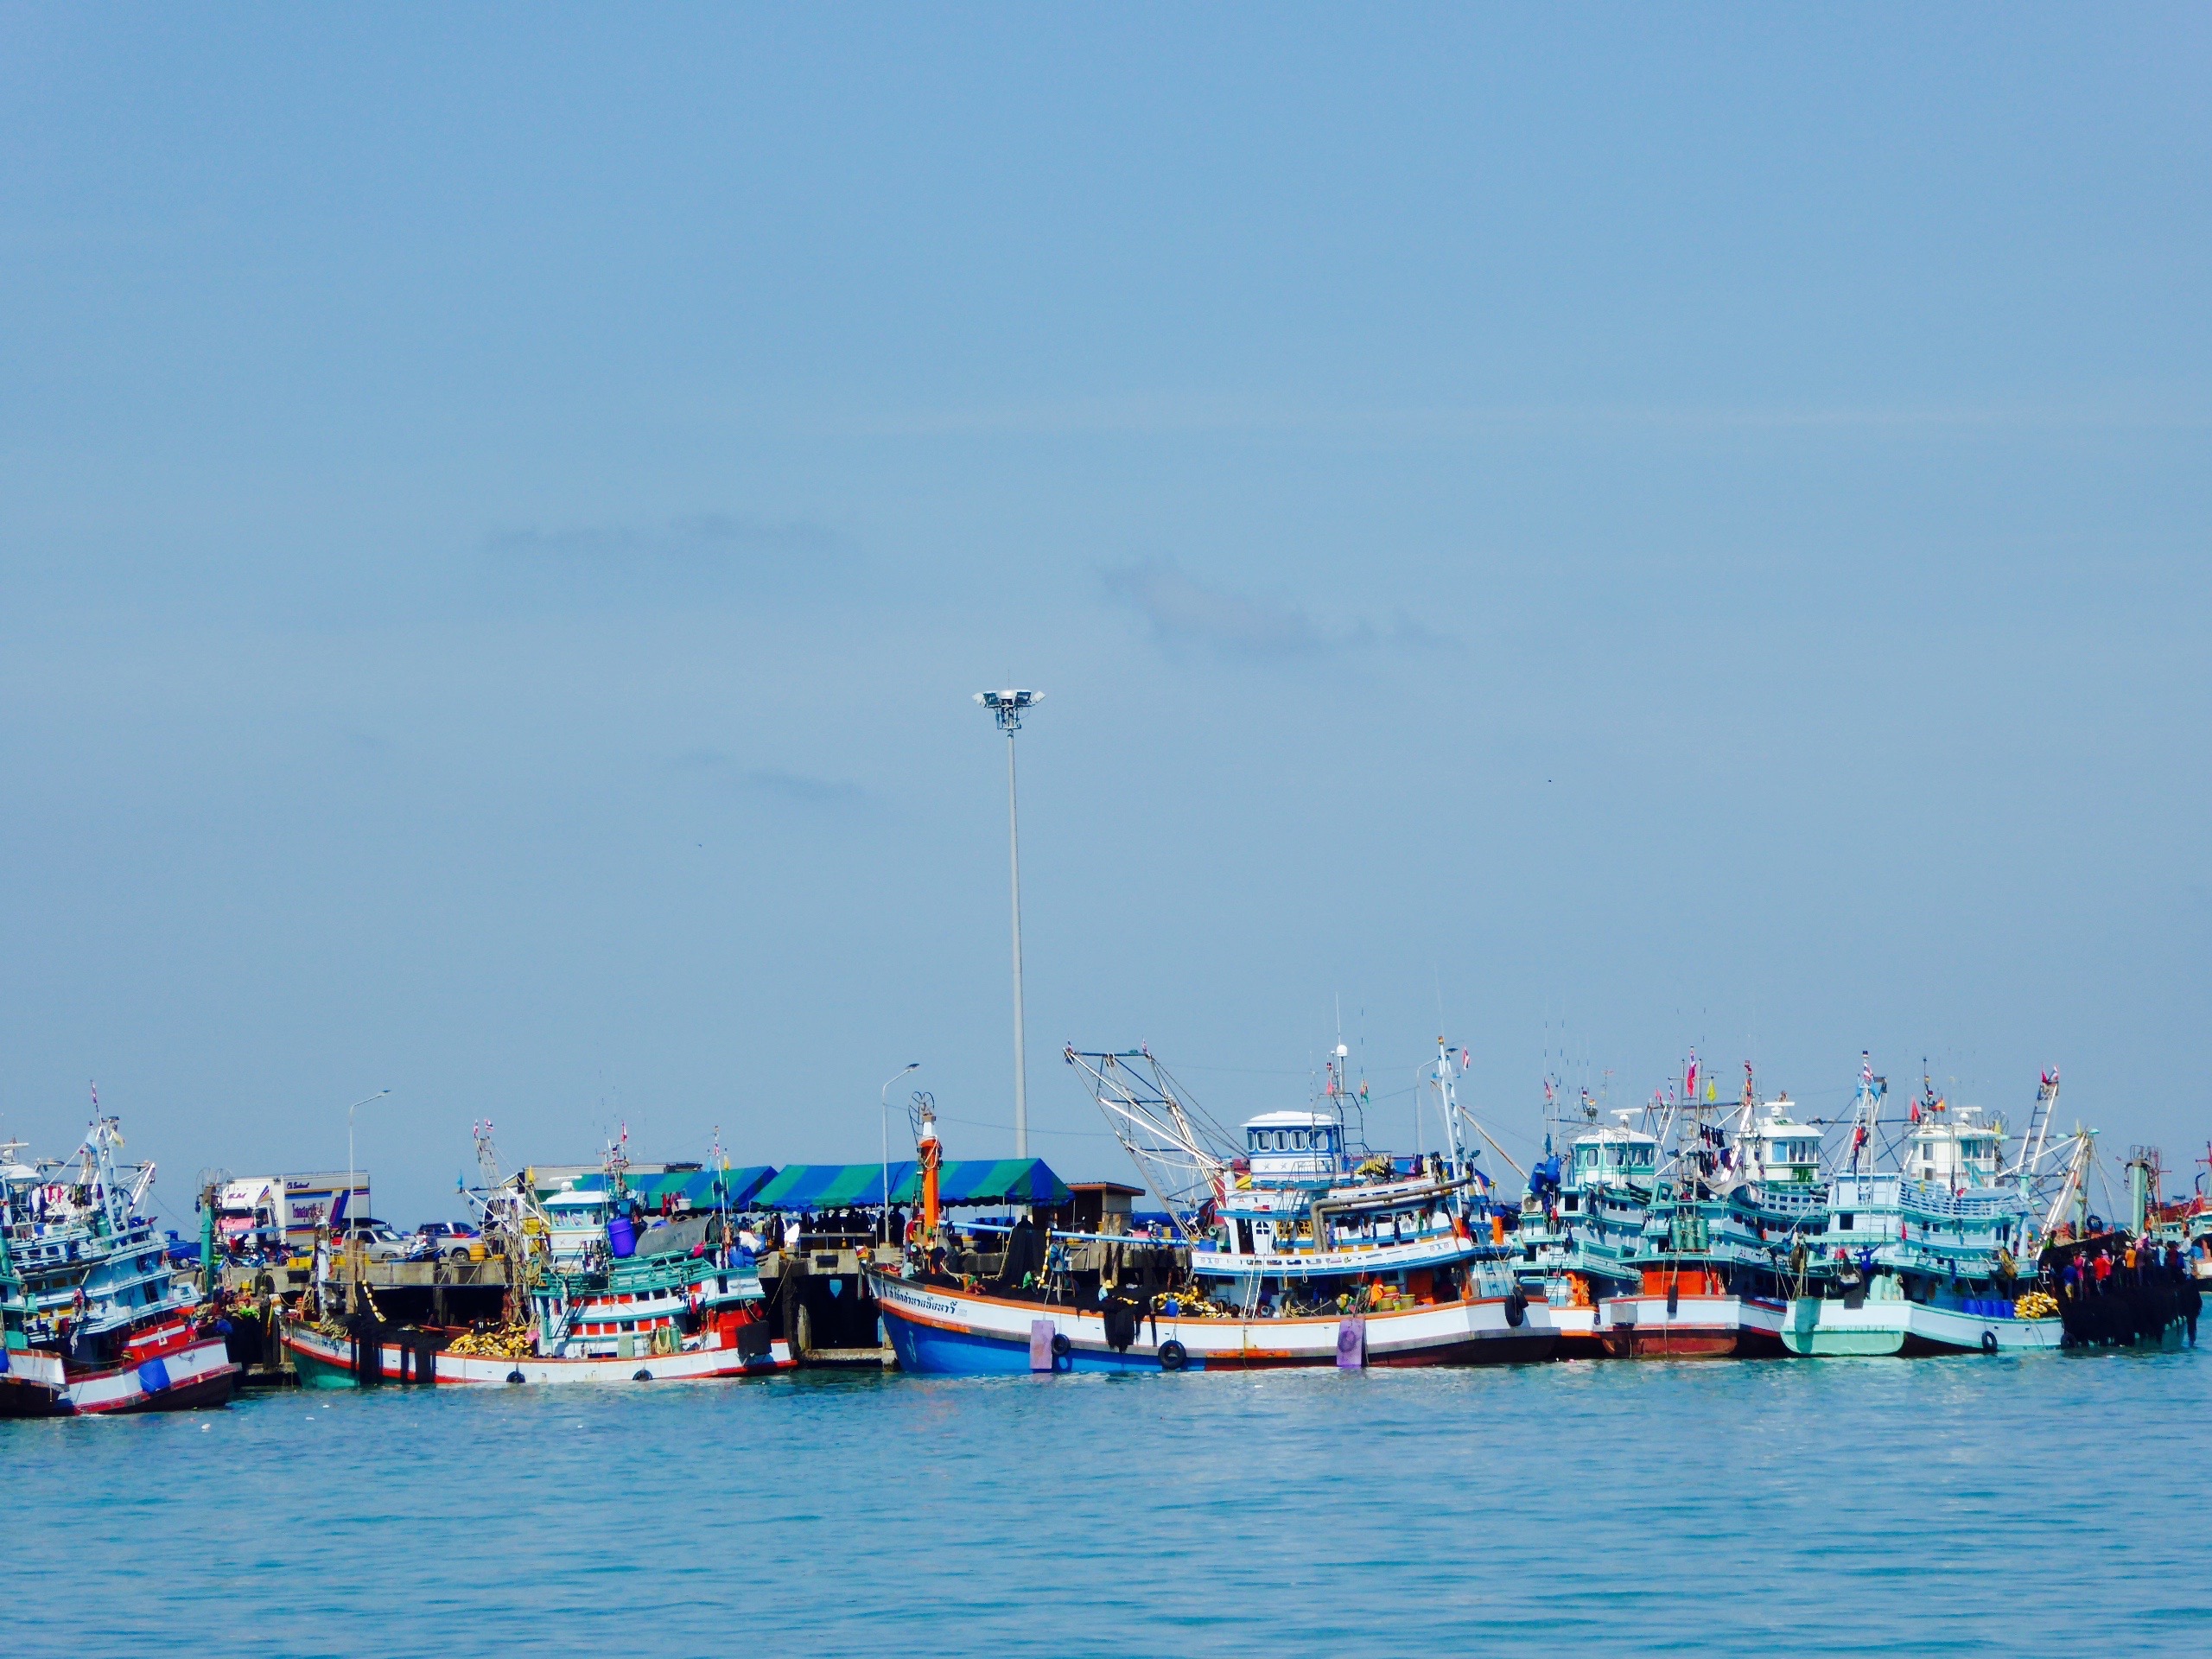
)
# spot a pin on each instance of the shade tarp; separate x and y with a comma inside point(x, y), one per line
point(989, 1180)
point(696, 1185)
point(975, 1180)
point(829, 1186)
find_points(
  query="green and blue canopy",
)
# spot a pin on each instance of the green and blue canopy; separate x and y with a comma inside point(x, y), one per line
point(963, 1181)
point(696, 1185)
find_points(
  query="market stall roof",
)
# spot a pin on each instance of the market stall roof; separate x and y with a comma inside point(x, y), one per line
point(978, 1180)
point(828, 1186)
point(696, 1185)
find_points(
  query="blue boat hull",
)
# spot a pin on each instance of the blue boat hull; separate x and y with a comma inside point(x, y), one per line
point(931, 1351)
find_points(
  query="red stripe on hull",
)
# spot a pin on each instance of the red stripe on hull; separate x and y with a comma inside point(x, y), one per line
point(203, 1394)
point(1671, 1344)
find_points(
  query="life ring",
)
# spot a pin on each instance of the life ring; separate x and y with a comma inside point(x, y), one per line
point(1174, 1356)
point(1517, 1309)
point(1989, 1342)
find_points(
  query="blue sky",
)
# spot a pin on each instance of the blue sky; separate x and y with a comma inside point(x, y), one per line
point(1639, 530)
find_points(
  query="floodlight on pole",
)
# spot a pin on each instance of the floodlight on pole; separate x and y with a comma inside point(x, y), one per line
point(1008, 708)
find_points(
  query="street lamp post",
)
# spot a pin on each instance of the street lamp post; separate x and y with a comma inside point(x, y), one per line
point(353, 1262)
point(883, 1098)
point(1007, 707)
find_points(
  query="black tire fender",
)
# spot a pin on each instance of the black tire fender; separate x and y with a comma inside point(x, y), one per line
point(1173, 1356)
point(1989, 1342)
point(1517, 1309)
point(516, 1375)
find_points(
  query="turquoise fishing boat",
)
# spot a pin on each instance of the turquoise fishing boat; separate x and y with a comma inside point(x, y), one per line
point(1582, 1223)
point(1923, 1257)
point(1709, 1258)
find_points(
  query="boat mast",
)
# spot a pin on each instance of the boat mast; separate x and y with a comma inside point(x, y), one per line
point(1444, 1084)
point(1866, 1113)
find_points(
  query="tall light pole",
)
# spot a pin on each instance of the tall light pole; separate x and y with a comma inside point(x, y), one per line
point(884, 1098)
point(1009, 707)
point(353, 1267)
point(350, 1110)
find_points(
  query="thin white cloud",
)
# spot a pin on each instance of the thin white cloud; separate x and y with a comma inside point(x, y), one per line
point(704, 558)
point(1183, 613)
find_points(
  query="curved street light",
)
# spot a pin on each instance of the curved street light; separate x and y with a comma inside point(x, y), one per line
point(883, 1099)
point(353, 1259)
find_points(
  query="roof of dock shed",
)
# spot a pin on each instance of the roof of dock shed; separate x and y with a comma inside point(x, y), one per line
point(974, 1180)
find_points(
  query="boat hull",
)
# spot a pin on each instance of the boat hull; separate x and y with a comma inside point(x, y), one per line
point(950, 1332)
point(194, 1376)
point(1932, 1330)
point(1578, 1335)
point(1823, 1329)
point(325, 1361)
point(1701, 1326)
point(1820, 1328)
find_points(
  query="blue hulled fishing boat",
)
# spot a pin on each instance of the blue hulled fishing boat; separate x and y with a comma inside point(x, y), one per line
point(1292, 1245)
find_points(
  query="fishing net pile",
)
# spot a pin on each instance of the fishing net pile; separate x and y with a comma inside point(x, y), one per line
point(509, 1341)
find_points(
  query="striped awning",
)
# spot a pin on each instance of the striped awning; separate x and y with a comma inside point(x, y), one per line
point(696, 1185)
point(829, 1186)
point(963, 1181)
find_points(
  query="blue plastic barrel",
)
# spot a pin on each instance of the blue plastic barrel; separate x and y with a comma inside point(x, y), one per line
point(622, 1236)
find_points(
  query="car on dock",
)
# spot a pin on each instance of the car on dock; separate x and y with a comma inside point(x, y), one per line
point(448, 1241)
point(378, 1241)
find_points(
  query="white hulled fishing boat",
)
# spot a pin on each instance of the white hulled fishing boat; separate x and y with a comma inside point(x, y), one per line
point(1709, 1283)
point(1299, 1249)
point(681, 1301)
point(1581, 1221)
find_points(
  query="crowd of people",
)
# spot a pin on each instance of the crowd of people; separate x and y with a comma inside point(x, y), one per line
point(2123, 1290)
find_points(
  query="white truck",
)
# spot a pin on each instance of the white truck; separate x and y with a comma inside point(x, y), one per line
point(268, 1216)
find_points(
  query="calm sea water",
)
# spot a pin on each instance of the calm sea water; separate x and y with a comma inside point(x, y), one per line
point(1963, 1505)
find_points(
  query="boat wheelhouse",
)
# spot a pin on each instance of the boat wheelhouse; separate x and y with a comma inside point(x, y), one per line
point(1787, 1186)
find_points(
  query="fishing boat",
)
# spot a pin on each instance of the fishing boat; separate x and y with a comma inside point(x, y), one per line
point(681, 1301)
point(1297, 1247)
point(92, 1320)
point(1921, 1256)
point(1581, 1219)
point(1709, 1284)
point(654, 1320)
